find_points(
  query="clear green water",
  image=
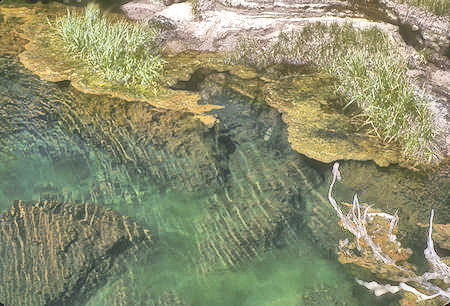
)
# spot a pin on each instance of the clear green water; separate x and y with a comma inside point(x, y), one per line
point(41, 158)
point(56, 143)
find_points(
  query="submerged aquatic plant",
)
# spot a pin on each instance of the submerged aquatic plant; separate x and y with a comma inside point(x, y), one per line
point(122, 52)
point(369, 75)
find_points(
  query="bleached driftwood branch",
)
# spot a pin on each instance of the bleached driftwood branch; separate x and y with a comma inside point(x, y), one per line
point(356, 223)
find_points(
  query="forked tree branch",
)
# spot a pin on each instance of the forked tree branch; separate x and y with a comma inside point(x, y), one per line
point(357, 224)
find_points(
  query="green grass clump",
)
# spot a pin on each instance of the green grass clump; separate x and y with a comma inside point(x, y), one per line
point(370, 75)
point(122, 52)
point(437, 7)
point(378, 85)
point(318, 43)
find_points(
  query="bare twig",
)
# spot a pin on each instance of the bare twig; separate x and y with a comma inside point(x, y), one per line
point(358, 227)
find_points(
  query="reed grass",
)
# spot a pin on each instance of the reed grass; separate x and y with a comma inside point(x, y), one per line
point(369, 75)
point(118, 50)
point(393, 109)
point(437, 7)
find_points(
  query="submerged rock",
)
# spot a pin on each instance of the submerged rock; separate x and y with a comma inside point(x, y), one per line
point(259, 191)
point(318, 129)
point(316, 126)
point(442, 235)
point(390, 189)
point(126, 290)
point(55, 253)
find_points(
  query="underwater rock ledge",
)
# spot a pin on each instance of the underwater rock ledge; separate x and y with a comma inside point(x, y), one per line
point(54, 253)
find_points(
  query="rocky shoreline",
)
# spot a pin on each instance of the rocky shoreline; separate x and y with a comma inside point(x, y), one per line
point(218, 26)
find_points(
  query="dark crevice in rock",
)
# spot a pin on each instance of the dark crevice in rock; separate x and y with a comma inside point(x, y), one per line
point(411, 37)
point(195, 80)
point(63, 84)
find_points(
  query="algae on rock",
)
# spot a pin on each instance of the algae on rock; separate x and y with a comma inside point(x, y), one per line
point(53, 253)
point(368, 74)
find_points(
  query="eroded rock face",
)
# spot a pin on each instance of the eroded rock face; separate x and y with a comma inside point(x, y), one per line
point(426, 29)
point(54, 253)
point(249, 17)
point(222, 27)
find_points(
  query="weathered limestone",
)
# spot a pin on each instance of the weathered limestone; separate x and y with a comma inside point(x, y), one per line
point(263, 18)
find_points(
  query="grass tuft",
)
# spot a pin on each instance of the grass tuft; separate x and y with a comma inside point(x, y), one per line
point(378, 85)
point(370, 75)
point(122, 52)
point(437, 7)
